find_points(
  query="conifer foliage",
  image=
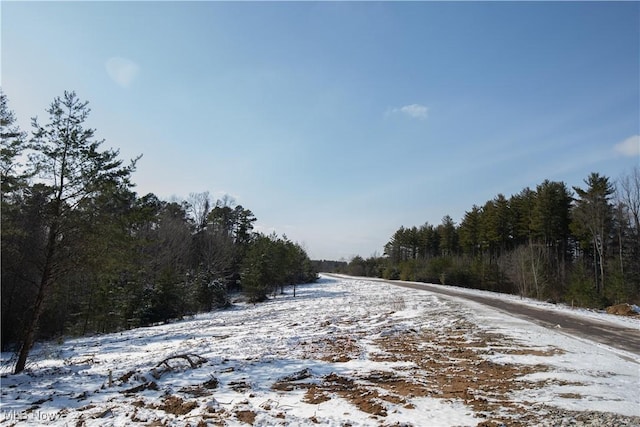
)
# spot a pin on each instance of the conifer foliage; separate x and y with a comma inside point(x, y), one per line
point(273, 262)
point(82, 253)
point(579, 246)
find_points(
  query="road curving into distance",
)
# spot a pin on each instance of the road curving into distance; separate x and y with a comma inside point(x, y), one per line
point(612, 335)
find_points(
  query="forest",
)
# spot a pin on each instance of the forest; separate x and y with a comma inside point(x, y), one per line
point(578, 245)
point(82, 253)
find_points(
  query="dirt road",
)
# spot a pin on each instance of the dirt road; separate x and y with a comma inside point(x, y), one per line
point(623, 338)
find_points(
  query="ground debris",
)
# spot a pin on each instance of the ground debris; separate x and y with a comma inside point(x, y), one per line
point(290, 382)
point(173, 363)
point(623, 310)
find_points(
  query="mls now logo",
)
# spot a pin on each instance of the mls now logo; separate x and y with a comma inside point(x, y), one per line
point(37, 416)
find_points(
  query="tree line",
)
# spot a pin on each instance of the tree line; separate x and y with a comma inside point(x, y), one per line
point(578, 245)
point(82, 253)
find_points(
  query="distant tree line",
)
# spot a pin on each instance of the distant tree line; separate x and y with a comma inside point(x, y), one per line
point(328, 266)
point(82, 253)
point(579, 245)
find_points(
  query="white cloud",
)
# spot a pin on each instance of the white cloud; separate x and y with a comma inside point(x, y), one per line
point(415, 111)
point(629, 147)
point(122, 70)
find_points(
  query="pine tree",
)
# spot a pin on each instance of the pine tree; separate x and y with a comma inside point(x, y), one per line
point(592, 220)
point(13, 145)
point(469, 231)
point(16, 238)
point(72, 169)
point(448, 236)
point(550, 230)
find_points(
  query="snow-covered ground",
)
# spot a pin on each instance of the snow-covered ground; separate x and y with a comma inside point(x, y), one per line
point(600, 315)
point(342, 352)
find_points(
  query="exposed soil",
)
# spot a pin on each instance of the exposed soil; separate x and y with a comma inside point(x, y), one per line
point(446, 364)
point(450, 365)
point(175, 405)
point(248, 417)
point(334, 349)
point(622, 310)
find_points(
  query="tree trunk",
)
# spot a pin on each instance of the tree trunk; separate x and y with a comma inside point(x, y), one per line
point(38, 306)
point(620, 251)
point(595, 264)
point(601, 255)
point(534, 270)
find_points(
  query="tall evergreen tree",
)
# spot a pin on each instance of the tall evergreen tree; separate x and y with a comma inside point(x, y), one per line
point(448, 236)
point(522, 207)
point(12, 146)
point(550, 227)
point(16, 238)
point(469, 231)
point(592, 221)
point(497, 226)
point(524, 263)
point(551, 214)
point(72, 169)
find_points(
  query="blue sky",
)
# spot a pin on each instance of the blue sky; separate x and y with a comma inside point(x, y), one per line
point(338, 122)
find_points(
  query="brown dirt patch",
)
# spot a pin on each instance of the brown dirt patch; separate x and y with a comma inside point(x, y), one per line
point(315, 395)
point(449, 364)
point(621, 310)
point(366, 399)
point(246, 416)
point(398, 387)
point(175, 405)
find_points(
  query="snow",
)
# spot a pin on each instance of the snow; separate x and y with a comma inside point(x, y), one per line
point(340, 336)
point(599, 315)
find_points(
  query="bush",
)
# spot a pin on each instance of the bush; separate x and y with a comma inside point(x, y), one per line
point(582, 291)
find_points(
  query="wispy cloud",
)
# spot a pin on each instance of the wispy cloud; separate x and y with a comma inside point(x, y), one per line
point(415, 111)
point(629, 147)
point(123, 71)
